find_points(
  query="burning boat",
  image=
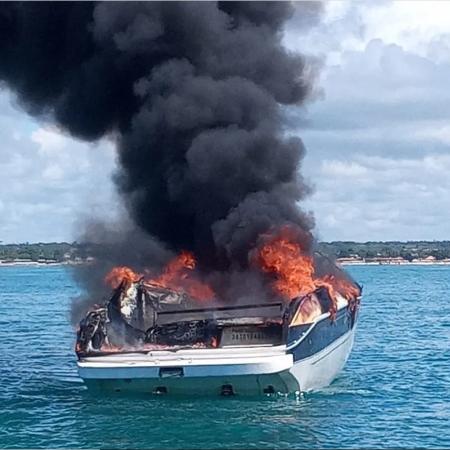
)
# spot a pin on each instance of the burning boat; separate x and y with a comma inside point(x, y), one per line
point(168, 335)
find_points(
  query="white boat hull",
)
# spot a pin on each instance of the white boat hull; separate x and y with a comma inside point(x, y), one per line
point(320, 369)
point(241, 371)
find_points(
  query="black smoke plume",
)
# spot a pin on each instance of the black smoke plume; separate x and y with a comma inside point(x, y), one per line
point(191, 92)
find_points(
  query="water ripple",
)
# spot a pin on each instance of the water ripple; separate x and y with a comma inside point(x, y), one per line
point(392, 393)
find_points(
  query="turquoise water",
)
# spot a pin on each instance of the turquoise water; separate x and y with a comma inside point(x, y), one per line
point(394, 391)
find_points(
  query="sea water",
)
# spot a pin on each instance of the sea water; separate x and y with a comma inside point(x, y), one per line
point(393, 392)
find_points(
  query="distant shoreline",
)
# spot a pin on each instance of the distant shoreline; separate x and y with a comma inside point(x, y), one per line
point(38, 264)
point(347, 253)
point(341, 263)
point(394, 263)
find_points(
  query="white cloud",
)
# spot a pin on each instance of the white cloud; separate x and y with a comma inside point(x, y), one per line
point(414, 25)
point(50, 141)
point(421, 27)
point(49, 179)
point(53, 172)
point(342, 168)
point(385, 198)
point(378, 142)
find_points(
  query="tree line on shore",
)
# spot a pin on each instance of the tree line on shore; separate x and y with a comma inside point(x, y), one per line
point(64, 251)
point(50, 251)
point(390, 249)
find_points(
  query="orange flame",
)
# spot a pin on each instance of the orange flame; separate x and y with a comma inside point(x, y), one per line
point(176, 270)
point(175, 276)
point(345, 287)
point(282, 255)
point(121, 273)
point(292, 267)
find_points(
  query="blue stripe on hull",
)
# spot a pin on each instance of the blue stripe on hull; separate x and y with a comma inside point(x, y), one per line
point(323, 334)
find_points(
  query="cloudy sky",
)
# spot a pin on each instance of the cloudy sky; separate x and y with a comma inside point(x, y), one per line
point(377, 135)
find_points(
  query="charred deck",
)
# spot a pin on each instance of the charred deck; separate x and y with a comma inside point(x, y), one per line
point(142, 318)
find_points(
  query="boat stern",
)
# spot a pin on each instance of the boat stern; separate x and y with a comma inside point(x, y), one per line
point(245, 371)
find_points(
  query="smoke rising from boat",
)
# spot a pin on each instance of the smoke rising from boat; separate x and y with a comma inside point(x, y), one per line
point(192, 94)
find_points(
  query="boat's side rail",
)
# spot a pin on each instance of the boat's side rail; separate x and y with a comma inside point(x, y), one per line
point(304, 335)
point(308, 339)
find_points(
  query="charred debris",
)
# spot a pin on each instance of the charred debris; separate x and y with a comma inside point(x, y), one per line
point(141, 317)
